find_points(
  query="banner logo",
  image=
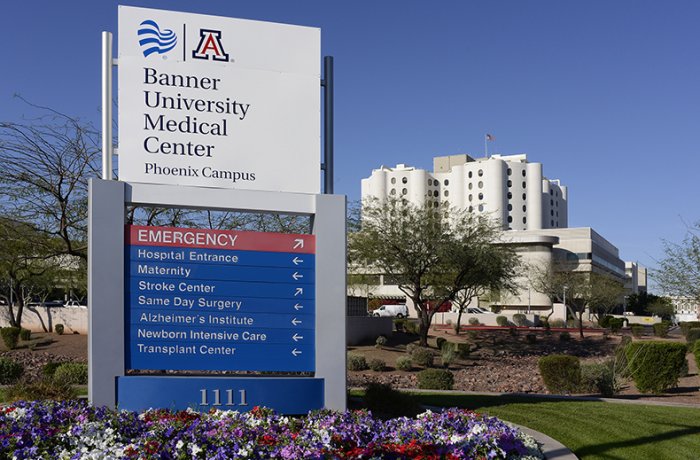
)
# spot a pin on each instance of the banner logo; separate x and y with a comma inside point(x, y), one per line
point(210, 45)
point(153, 40)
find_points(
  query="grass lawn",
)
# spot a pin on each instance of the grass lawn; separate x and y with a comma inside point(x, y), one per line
point(592, 429)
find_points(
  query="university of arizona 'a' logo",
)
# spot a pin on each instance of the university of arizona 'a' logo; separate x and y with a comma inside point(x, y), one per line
point(153, 40)
point(210, 45)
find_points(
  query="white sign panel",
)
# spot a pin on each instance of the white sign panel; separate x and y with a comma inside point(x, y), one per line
point(218, 102)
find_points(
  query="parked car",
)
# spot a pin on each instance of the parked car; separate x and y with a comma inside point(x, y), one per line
point(478, 310)
point(398, 311)
point(75, 304)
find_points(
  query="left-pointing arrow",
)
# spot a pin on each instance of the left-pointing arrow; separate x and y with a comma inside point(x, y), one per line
point(297, 275)
point(297, 337)
point(296, 352)
point(296, 322)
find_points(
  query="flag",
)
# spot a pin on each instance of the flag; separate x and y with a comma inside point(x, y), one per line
point(490, 137)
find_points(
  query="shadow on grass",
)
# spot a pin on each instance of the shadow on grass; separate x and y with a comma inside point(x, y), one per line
point(601, 449)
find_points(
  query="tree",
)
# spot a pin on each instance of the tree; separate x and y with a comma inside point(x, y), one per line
point(584, 290)
point(431, 253)
point(46, 164)
point(661, 307)
point(678, 273)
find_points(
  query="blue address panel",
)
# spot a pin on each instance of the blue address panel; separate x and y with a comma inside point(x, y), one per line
point(183, 302)
point(166, 317)
point(220, 288)
point(206, 355)
point(185, 334)
point(182, 271)
point(291, 396)
point(221, 257)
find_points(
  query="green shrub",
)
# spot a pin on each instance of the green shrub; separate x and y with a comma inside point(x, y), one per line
point(604, 321)
point(423, 356)
point(448, 356)
point(357, 363)
point(557, 323)
point(637, 330)
point(435, 379)
point(381, 341)
point(58, 329)
point(520, 319)
point(404, 363)
point(473, 335)
point(376, 364)
point(463, 350)
point(399, 324)
point(385, 402)
point(474, 321)
point(564, 337)
point(72, 374)
point(440, 342)
point(688, 325)
point(25, 334)
point(10, 371)
point(598, 378)
point(693, 336)
point(49, 369)
point(531, 338)
point(412, 327)
point(696, 352)
point(44, 389)
point(616, 324)
point(560, 373)
point(410, 347)
point(501, 320)
point(10, 336)
point(661, 329)
point(655, 366)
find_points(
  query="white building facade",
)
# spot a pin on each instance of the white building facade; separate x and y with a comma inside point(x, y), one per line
point(509, 188)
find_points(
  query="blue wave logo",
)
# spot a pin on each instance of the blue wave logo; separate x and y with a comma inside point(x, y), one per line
point(153, 40)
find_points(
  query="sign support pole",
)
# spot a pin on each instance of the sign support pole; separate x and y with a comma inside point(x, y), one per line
point(327, 84)
point(107, 148)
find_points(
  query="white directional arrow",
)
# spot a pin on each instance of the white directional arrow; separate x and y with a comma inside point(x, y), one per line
point(297, 275)
point(297, 337)
point(298, 307)
point(296, 352)
point(298, 243)
point(297, 261)
point(299, 291)
point(296, 322)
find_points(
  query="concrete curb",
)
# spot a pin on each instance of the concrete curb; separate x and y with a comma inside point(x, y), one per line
point(551, 448)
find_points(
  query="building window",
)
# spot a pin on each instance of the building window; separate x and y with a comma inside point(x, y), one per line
point(481, 172)
point(523, 173)
point(552, 222)
point(557, 213)
point(436, 194)
point(556, 203)
point(393, 191)
point(435, 204)
point(551, 202)
point(524, 196)
point(510, 171)
point(510, 196)
point(447, 182)
point(551, 212)
point(510, 219)
point(393, 180)
point(510, 183)
point(551, 192)
point(481, 184)
point(470, 197)
point(524, 208)
point(470, 185)
point(447, 193)
point(404, 180)
point(430, 182)
point(471, 208)
point(524, 184)
point(481, 208)
point(469, 174)
point(510, 207)
point(404, 191)
point(524, 220)
point(481, 196)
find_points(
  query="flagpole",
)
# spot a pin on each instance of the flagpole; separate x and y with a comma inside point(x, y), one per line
point(486, 145)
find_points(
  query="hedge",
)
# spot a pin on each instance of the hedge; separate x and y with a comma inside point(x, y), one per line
point(561, 373)
point(435, 379)
point(10, 336)
point(10, 371)
point(693, 335)
point(655, 366)
point(688, 325)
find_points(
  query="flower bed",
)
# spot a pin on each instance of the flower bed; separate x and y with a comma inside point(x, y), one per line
point(75, 430)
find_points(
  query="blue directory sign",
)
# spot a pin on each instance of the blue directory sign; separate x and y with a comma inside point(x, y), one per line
point(219, 300)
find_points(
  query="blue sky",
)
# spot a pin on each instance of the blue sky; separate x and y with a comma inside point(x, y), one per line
point(605, 94)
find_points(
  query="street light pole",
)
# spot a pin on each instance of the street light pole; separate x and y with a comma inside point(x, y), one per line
point(566, 323)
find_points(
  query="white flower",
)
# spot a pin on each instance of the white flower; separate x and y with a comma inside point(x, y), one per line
point(195, 449)
point(179, 444)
